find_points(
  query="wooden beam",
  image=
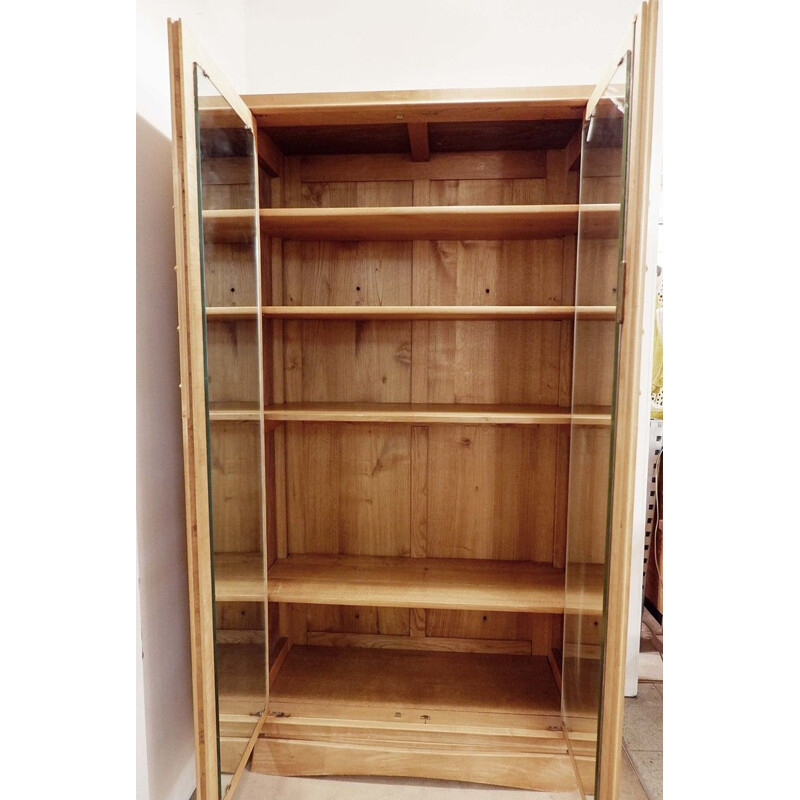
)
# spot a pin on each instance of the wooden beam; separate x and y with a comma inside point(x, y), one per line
point(418, 137)
point(270, 155)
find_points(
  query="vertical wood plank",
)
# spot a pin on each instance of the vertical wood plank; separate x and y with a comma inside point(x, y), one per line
point(556, 182)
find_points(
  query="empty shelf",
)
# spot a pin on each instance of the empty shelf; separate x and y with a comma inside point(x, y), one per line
point(432, 413)
point(415, 413)
point(338, 678)
point(597, 313)
point(235, 412)
point(441, 312)
point(416, 223)
point(417, 583)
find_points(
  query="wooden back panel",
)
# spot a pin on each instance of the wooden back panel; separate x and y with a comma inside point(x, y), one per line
point(435, 491)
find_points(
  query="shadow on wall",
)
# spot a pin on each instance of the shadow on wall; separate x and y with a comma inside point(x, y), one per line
point(159, 479)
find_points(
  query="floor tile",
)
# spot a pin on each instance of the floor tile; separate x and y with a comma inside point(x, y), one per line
point(630, 786)
point(643, 722)
point(650, 768)
point(651, 666)
point(257, 787)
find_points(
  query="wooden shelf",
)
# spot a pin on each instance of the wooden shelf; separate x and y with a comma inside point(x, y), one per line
point(457, 584)
point(407, 223)
point(238, 577)
point(336, 679)
point(440, 312)
point(597, 313)
point(233, 312)
point(414, 413)
point(233, 412)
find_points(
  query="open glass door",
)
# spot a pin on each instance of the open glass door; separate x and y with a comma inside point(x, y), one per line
point(599, 280)
point(615, 158)
point(217, 225)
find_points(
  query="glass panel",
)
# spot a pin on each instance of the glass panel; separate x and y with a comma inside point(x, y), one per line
point(235, 424)
point(594, 381)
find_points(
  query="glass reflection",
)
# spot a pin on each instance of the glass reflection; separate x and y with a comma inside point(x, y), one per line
point(597, 282)
point(232, 339)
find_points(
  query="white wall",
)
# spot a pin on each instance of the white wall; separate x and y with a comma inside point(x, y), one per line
point(164, 704)
point(359, 45)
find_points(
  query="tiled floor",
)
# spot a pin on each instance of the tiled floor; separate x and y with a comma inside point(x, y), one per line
point(642, 758)
point(642, 737)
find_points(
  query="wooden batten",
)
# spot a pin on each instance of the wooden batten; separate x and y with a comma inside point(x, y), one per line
point(269, 154)
point(418, 139)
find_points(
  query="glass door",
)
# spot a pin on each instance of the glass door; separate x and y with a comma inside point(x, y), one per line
point(599, 281)
point(219, 282)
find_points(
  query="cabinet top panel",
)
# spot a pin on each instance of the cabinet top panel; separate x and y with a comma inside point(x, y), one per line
point(420, 105)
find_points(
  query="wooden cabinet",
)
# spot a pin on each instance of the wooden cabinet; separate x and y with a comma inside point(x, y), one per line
point(409, 337)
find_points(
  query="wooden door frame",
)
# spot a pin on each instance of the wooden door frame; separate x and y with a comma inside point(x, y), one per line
point(184, 53)
point(627, 407)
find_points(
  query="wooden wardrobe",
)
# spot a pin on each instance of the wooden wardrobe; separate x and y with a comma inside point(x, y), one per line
point(409, 330)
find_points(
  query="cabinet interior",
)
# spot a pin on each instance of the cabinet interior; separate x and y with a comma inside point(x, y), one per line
point(393, 429)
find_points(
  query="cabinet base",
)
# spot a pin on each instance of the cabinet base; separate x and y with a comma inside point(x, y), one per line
point(546, 772)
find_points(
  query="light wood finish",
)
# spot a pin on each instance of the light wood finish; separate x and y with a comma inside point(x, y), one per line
point(239, 577)
point(419, 583)
point(236, 487)
point(428, 413)
point(241, 679)
point(586, 313)
point(416, 641)
point(523, 770)
point(231, 749)
point(572, 155)
point(232, 313)
point(239, 411)
point(643, 80)
point(441, 312)
point(432, 302)
point(489, 165)
point(421, 105)
point(282, 648)
point(226, 636)
point(406, 679)
point(183, 54)
point(600, 313)
point(403, 224)
point(251, 742)
point(269, 154)
point(418, 139)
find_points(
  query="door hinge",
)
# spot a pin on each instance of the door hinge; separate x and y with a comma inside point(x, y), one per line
point(622, 291)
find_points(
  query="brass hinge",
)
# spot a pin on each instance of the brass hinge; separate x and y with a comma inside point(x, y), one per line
point(621, 291)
